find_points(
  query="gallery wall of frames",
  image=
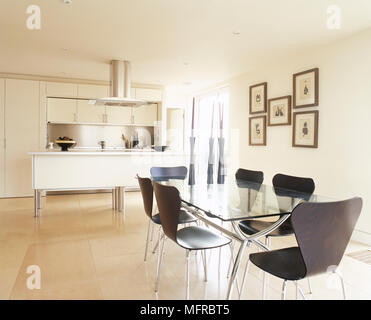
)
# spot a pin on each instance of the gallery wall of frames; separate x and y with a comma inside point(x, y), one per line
point(286, 110)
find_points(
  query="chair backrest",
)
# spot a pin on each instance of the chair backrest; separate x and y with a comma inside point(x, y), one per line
point(323, 231)
point(300, 184)
point(168, 202)
point(166, 173)
point(250, 175)
point(146, 190)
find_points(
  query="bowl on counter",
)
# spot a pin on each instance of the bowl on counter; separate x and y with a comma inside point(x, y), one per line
point(160, 148)
point(65, 144)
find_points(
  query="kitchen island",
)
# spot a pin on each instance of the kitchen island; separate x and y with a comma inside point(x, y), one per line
point(90, 170)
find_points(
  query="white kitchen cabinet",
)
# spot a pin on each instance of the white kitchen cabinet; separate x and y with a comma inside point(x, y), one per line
point(92, 91)
point(153, 95)
point(60, 89)
point(118, 115)
point(89, 112)
point(145, 115)
point(2, 137)
point(61, 110)
point(22, 116)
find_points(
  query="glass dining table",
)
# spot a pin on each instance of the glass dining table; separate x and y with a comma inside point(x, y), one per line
point(237, 200)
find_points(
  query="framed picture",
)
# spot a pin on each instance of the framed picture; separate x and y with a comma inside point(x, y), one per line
point(305, 129)
point(258, 98)
point(305, 88)
point(258, 131)
point(279, 111)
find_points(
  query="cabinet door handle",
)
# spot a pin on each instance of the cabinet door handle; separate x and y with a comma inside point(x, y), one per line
point(74, 117)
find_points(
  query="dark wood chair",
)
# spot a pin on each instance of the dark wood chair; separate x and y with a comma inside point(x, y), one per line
point(146, 189)
point(323, 231)
point(284, 185)
point(189, 238)
point(164, 174)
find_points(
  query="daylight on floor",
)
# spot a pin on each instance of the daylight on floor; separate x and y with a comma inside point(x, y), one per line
point(179, 150)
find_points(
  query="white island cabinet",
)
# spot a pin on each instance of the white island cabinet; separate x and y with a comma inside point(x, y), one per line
point(78, 170)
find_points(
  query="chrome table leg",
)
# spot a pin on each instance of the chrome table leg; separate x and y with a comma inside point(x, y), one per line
point(37, 202)
point(114, 199)
point(231, 246)
point(36, 205)
point(235, 268)
point(244, 277)
point(123, 200)
point(120, 200)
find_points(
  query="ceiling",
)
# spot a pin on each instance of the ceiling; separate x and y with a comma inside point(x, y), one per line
point(169, 42)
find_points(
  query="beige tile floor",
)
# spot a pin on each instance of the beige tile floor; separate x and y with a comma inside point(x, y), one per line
point(86, 251)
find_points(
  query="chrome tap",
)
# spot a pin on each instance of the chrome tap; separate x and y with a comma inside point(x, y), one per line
point(102, 144)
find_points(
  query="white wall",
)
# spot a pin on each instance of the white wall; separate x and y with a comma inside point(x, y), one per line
point(174, 97)
point(341, 166)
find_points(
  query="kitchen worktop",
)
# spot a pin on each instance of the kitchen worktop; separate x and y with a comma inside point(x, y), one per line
point(131, 152)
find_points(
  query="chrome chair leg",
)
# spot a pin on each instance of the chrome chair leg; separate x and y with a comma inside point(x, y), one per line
point(203, 254)
point(219, 260)
point(158, 240)
point(152, 231)
point(342, 284)
point(283, 294)
point(148, 232)
point(296, 290)
point(159, 263)
point(187, 275)
point(301, 293)
point(220, 254)
point(310, 287)
point(267, 244)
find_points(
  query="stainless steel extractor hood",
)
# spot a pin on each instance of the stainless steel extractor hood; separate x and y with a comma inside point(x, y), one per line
point(120, 87)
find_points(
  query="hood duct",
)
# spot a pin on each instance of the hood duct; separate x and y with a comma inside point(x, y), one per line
point(120, 87)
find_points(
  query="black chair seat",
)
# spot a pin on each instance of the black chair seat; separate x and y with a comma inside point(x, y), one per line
point(250, 227)
point(184, 217)
point(199, 238)
point(286, 263)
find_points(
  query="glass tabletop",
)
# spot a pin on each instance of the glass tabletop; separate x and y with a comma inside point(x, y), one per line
point(237, 199)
